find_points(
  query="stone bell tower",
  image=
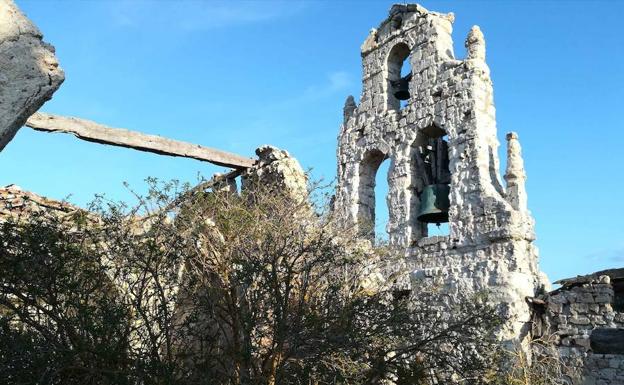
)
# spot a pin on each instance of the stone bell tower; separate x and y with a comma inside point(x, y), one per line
point(433, 117)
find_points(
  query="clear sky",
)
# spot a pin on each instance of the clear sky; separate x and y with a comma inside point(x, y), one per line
point(236, 75)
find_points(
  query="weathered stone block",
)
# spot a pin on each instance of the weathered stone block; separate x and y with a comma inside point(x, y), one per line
point(29, 71)
point(608, 340)
point(585, 297)
point(579, 320)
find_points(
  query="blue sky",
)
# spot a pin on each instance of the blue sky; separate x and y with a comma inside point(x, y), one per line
point(235, 75)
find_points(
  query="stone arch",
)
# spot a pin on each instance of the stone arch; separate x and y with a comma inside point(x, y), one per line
point(398, 57)
point(368, 167)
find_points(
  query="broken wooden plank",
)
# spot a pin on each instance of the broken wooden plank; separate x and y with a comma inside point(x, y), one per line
point(98, 133)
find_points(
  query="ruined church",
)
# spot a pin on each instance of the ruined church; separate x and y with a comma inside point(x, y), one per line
point(432, 117)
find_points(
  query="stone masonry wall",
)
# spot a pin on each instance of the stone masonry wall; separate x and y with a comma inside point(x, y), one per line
point(19, 205)
point(570, 315)
point(489, 247)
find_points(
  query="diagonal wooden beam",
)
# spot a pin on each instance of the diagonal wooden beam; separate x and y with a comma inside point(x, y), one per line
point(98, 133)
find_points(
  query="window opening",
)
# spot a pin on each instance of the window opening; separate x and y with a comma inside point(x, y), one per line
point(381, 212)
point(618, 295)
point(399, 76)
point(438, 229)
point(406, 77)
point(372, 212)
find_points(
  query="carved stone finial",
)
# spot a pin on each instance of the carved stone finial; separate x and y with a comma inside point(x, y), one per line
point(349, 108)
point(515, 175)
point(475, 44)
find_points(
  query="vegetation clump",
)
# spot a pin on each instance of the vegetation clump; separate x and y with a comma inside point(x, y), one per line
point(222, 288)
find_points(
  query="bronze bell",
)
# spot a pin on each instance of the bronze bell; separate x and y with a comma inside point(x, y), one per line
point(401, 87)
point(434, 204)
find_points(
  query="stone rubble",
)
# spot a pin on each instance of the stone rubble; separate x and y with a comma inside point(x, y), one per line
point(17, 204)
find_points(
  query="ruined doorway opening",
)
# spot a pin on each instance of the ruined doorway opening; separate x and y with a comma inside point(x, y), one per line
point(372, 210)
point(399, 77)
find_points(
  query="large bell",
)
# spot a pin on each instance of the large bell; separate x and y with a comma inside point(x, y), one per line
point(401, 88)
point(434, 204)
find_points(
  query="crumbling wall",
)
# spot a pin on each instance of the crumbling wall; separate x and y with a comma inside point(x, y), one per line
point(571, 315)
point(19, 205)
point(489, 247)
point(29, 71)
point(278, 171)
point(275, 173)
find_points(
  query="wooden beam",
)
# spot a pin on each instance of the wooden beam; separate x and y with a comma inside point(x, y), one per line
point(98, 133)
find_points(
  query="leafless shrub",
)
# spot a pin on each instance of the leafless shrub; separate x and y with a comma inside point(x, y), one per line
point(254, 288)
point(538, 362)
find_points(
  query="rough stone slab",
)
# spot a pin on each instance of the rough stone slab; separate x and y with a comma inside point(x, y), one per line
point(608, 341)
point(29, 71)
point(98, 133)
point(613, 274)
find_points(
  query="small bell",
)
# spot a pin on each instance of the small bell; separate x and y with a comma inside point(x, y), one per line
point(401, 87)
point(434, 204)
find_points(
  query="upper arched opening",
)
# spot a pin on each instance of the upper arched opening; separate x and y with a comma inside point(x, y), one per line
point(399, 75)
